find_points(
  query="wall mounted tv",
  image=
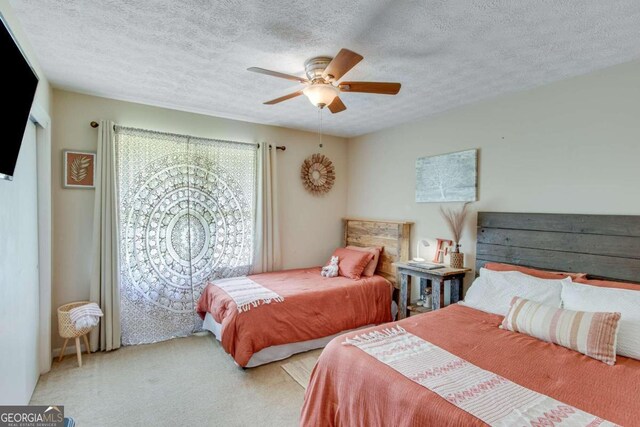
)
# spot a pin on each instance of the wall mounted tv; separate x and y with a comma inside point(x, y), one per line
point(21, 78)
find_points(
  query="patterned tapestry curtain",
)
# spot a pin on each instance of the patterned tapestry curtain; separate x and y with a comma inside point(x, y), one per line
point(186, 212)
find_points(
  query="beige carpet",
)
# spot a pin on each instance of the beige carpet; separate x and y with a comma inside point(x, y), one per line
point(300, 369)
point(186, 381)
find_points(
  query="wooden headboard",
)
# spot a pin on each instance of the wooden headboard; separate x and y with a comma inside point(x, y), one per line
point(393, 236)
point(604, 246)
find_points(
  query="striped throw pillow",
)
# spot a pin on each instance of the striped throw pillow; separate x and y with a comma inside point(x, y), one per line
point(592, 334)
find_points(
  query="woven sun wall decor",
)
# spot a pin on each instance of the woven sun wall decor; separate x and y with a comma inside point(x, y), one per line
point(318, 174)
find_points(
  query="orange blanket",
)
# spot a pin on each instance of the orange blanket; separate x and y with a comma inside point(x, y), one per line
point(313, 307)
point(349, 387)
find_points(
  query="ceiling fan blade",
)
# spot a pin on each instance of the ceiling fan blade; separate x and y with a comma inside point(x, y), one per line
point(341, 64)
point(383, 88)
point(284, 98)
point(336, 106)
point(278, 74)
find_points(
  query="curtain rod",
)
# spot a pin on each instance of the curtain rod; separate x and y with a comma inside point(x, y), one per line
point(95, 124)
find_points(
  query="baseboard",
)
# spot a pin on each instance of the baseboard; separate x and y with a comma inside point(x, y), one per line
point(71, 349)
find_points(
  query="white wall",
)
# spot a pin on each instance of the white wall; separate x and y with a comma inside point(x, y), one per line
point(19, 277)
point(20, 304)
point(569, 147)
point(311, 226)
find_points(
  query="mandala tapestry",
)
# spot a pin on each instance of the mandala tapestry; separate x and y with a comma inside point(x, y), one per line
point(186, 214)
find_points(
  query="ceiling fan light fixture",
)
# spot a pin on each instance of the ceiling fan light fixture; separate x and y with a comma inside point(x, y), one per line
point(323, 83)
point(321, 94)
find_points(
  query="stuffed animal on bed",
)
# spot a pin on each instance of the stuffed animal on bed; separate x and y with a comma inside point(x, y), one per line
point(331, 270)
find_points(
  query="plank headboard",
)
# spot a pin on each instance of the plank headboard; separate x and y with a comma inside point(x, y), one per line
point(604, 246)
point(393, 236)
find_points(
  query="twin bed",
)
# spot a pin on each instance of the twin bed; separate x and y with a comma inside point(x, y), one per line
point(355, 383)
point(315, 309)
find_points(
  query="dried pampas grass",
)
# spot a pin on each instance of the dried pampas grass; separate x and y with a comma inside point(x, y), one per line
point(455, 221)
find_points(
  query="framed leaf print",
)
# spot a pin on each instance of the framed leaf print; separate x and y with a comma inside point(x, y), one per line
point(79, 169)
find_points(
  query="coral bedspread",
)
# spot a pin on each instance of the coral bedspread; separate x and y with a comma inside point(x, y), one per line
point(313, 307)
point(349, 387)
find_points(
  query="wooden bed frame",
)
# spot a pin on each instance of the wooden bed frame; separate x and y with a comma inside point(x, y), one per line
point(604, 246)
point(393, 236)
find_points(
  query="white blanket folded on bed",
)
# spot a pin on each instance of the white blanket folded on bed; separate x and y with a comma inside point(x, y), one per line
point(483, 394)
point(246, 293)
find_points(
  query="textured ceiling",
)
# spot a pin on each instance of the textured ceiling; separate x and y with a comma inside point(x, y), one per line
point(192, 55)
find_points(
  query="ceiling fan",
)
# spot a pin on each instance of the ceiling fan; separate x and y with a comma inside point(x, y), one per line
point(322, 86)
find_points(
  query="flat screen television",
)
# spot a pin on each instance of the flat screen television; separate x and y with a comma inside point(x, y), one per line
point(18, 74)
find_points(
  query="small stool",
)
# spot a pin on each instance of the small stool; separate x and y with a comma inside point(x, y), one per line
point(67, 330)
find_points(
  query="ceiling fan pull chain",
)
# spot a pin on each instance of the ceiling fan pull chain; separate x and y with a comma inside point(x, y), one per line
point(320, 113)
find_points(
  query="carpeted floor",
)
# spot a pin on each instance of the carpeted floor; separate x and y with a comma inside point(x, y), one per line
point(186, 381)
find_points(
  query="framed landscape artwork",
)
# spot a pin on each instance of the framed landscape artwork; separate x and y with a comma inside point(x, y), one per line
point(78, 169)
point(448, 177)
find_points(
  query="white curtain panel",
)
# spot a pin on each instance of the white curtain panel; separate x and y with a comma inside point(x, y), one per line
point(105, 271)
point(267, 256)
point(187, 210)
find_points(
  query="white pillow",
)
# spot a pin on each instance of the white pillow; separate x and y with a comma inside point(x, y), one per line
point(581, 297)
point(493, 290)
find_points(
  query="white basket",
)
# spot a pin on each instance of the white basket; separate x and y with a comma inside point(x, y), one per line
point(65, 325)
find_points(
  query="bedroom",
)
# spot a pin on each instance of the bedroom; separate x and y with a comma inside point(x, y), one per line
point(548, 95)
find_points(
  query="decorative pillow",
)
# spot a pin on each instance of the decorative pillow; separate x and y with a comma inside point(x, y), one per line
point(592, 334)
point(542, 274)
point(493, 290)
point(624, 301)
point(608, 284)
point(352, 263)
point(370, 269)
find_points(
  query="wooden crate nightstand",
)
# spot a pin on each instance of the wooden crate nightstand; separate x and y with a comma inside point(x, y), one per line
point(434, 278)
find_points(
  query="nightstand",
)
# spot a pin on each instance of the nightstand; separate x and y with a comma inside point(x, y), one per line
point(436, 279)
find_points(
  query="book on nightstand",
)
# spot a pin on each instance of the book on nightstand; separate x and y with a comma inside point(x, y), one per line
point(425, 265)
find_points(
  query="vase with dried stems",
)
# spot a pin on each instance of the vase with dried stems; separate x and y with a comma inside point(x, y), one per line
point(455, 221)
